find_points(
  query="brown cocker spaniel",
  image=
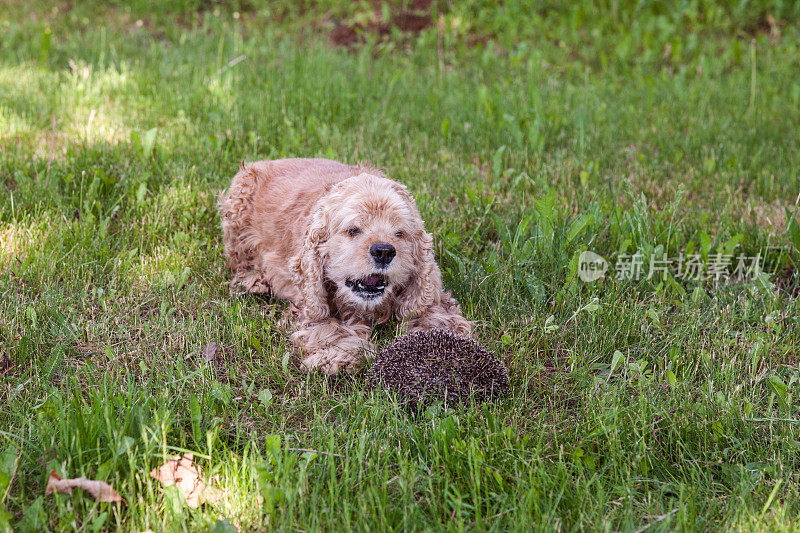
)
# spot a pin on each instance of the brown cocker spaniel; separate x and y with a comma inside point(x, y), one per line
point(344, 244)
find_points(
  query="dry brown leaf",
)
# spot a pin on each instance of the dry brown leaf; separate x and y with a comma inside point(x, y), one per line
point(100, 490)
point(210, 352)
point(186, 476)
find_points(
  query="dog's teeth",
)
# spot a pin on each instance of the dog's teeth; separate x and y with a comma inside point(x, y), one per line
point(368, 290)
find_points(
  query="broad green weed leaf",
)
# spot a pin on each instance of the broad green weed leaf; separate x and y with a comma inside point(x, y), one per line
point(584, 178)
point(222, 392)
point(546, 206)
point(779, 388)
point(148, 141)
point(592, 306)
point(578, 225)
point(522, 230)
point(265, 397)
point(615, 361)
point(671, 378)
point(652, 314)
point(126, 443)
point(34, 517)
point(705, 244)
point(273, 445)
point(141, 192)
point(732, 243)
point(196, 415)
point(497, 160)
point(445, 128)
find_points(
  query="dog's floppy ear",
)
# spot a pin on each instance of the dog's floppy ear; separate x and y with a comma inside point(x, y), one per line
point(423, 301)
point(425, 288)
point(308, 268)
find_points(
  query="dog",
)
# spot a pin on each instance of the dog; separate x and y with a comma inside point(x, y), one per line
point(345, 245)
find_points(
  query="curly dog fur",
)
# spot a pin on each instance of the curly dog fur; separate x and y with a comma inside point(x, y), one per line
point(344, 244)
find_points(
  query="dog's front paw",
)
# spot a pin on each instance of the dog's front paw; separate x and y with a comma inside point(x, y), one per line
point(250, 282)
point(332, 361)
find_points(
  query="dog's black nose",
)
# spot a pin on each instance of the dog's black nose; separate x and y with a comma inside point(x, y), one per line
point(382, 253)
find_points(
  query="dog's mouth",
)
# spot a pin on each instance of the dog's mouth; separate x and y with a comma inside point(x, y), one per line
point(369, 287)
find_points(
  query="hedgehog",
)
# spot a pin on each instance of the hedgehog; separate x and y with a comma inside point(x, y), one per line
point(424, 367)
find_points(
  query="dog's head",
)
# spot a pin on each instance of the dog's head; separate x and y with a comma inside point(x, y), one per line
point(367, 238)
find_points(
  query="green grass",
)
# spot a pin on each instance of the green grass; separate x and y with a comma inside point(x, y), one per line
point(528, 135)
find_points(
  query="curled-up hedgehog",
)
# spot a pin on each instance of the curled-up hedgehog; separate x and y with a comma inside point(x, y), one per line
point(424, 367)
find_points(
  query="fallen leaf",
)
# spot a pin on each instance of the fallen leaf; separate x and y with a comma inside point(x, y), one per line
point(187, 477)
point(100, 490)
point(210, 352)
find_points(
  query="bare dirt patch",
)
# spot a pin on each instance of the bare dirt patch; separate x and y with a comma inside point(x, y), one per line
point(412, 19)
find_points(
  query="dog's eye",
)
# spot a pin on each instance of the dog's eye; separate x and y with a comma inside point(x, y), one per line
point(400, 234)
point(353, 232)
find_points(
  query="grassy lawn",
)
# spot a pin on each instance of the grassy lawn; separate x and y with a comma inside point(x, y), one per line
point(528, 136)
